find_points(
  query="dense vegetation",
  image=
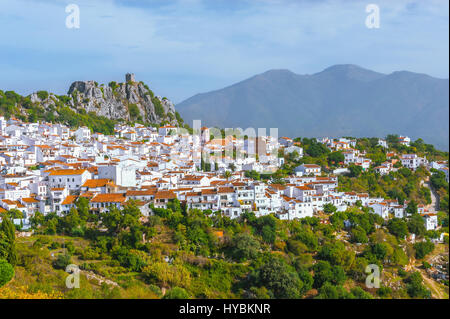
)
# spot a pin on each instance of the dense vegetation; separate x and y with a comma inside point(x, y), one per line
point(199, 254)
point(180, 253)
point(60, 111)
point(13, 104)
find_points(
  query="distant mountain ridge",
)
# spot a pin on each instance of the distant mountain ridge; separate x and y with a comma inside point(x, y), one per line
point(342, 100)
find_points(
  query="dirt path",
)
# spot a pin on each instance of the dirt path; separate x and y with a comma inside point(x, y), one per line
point(436, 290)
point(434, 206)
point(100, 279)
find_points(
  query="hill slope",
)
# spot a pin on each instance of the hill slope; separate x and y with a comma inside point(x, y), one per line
point(91, 104)
point(343, 100)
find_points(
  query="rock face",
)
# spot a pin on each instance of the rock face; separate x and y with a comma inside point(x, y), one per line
point(131, 101)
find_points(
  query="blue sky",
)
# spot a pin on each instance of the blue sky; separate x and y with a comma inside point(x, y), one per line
point(184, 47)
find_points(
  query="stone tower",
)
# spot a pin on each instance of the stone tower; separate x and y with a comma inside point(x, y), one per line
point(129, 77)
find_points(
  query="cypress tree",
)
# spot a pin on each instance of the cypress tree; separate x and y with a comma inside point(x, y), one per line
point(7, 241)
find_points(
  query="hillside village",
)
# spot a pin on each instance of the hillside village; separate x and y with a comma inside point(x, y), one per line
point(47, 167)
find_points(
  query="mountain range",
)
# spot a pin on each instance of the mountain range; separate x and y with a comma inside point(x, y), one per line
point(342, 100)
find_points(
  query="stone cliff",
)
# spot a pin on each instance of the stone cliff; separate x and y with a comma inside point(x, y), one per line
point(130, 101)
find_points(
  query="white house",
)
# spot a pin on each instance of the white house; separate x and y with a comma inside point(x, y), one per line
point(382, 143)
point(413, 161)
point(380, 209)
point(431, 221)
point(307, 169)
point(404, 140)
point(167, 130)
point(83, 134)
point(70, 178)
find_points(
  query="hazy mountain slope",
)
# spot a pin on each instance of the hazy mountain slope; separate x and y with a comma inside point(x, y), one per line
point(340, 100)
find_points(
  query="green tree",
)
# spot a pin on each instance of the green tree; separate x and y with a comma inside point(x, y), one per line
point(358, 235)
point(329, 291)
point(411, 209)
point(6, 272)
point(329, 208)
point(423, 249)
point(355, 170)
point(7, 241)
point(37, 220)
point(359, 293)
point(316, 149)
point(253, 175)
point(416, 225)
point(15, 214)
point(324, 272)
point(82, 205)
point(398, 227)
point(245, 246)
point(282, 281)
point(334, 158)
point(117, 220)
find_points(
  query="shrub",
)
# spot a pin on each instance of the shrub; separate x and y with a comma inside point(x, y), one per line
point(159, 109)
point(384, 291)
point(176, 293)
point(426, 265)
point(62, 261)
point(42, 95)
point(134, 111)
point(156, 290)
point(402, 273)
point(6, 272)
point(423, 249)
point(415, 287)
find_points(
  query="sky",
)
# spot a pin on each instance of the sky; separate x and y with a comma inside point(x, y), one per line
point(184, 47)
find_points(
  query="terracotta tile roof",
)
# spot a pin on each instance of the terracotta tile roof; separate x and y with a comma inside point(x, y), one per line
point(9, 202)
point(311, 165)
point(208, 192)
point(29, 200)
point(62, 172)
point(193, 178)
point(304, 188)
point(69, 200)
point(165, 195)
point(223, 190)
point(146, 192)
point(87, 194)
point(109, 198)
point(93, 183)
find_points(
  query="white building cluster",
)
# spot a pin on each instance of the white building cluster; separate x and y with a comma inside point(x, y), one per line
point(48, 167)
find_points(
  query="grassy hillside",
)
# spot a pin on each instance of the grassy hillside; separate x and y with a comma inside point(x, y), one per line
point(188, 254)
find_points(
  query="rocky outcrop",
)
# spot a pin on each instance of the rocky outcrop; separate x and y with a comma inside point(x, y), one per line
point(130, 101)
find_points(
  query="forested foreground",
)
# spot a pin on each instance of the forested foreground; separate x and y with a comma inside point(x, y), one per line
point(194, 254)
